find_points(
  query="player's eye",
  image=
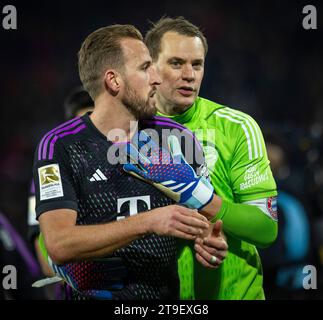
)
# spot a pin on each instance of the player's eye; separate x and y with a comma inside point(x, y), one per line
point(175, 64)
point(197, 66)
point(146, 66)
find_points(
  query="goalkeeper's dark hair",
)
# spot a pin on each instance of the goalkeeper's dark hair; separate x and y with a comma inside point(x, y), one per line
point(77, 99)
point(180, 25)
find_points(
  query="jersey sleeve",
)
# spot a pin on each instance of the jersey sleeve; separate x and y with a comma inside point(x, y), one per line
point(54, 185)
point(251, 176)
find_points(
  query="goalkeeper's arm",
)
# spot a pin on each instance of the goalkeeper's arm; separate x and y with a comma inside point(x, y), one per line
point(249, 222)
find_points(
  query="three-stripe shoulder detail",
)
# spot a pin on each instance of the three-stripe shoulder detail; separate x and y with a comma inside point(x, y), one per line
point(249, 127)
point(47, 144)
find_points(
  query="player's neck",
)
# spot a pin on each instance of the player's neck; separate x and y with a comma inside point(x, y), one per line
point(169, 109)
point(108, 116)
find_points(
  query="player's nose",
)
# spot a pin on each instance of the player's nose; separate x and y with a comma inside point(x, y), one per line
point(188, 73)
point(155, 79)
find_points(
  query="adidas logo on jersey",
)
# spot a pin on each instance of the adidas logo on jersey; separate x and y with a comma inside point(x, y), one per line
point(98, 176)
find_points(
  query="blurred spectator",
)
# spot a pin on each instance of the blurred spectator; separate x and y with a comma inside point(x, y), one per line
point(284, 261)
point(15, 252)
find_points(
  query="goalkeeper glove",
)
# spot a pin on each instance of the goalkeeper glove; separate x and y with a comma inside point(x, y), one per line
point(168, 171)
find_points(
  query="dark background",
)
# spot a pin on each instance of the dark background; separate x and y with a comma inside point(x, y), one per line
point(260, 61)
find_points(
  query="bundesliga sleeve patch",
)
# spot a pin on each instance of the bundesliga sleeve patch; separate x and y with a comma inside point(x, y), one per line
point(50, 182)
point(272, 207)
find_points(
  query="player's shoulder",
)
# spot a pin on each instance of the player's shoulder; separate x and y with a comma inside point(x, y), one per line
point(235, 120)
point(206, 107)
point(241, 130)
point(62, 134)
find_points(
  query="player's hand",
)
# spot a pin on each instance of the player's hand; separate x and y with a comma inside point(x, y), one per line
point(178, 222)
point(168, 171)
point(212, 249)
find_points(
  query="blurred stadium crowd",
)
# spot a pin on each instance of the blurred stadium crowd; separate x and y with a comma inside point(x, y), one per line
point(260, 61)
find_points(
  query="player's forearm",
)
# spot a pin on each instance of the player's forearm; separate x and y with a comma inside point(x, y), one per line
point(93, 241)
point(66, 242)
point(248, 223)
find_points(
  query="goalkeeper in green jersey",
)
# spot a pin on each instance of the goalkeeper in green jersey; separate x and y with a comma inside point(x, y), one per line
point(237, 161)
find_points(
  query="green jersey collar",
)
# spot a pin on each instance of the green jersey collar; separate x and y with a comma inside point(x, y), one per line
point(185, 117)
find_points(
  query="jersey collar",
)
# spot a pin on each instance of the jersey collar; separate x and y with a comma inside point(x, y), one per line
point(94, 130)
point(185, 117)
point(92, 127)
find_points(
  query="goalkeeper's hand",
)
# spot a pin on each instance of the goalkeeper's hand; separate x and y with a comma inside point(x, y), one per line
point(168, 171)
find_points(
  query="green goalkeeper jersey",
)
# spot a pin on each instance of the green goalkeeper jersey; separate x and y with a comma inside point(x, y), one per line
point(240, 173)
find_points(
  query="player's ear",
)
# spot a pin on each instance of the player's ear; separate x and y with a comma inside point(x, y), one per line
point(112, 81)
